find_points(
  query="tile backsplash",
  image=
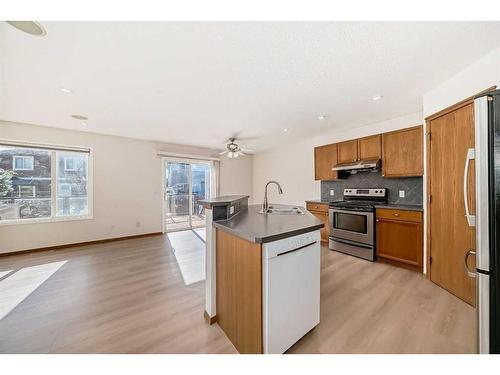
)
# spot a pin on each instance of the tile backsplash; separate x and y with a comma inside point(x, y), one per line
point(412, 186)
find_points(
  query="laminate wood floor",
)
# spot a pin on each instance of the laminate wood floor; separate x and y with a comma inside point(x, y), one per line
point(129, 297)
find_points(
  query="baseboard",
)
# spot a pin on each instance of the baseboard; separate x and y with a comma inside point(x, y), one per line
point(60, 247)
point(209, 319)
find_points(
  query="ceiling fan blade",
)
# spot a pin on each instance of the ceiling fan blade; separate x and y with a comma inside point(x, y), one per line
point(247, 150)
point(241, 153)
point(223, 152)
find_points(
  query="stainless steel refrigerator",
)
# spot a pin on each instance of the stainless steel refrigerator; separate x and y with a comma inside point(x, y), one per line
point(487, 219)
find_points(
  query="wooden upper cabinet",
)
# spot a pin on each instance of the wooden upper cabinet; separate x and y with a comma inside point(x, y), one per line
point(402, 153)
point(370, 147)
point(347, 151)
point(325, 157)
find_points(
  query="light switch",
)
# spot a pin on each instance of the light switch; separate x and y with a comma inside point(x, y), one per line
point(231, 210)
point(401, 194)
point(332, 192)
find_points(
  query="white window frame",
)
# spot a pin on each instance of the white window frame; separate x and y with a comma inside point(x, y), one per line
point(66, 169)
point(33, 191)
point(23, 157)
point(90, 184)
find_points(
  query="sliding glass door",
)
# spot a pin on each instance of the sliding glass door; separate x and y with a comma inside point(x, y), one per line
point(185, 184)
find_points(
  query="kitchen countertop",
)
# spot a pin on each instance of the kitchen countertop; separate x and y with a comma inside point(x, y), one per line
point(395, 206)
point(409, 207)
point(222, 201)
point(319, 201)
point(252, 226)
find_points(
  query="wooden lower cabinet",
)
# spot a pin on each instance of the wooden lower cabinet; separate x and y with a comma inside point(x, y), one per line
point(320, 210)
point(399, 236)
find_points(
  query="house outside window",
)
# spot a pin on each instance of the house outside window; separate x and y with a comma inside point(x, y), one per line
point(64, 190)
point(43, 184)
point(22, 163)
point(70, 164)
point(27, 191)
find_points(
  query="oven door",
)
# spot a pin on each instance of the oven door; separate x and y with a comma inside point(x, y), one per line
point(352, 225)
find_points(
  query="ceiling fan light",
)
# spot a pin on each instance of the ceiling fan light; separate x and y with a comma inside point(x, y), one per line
point(230, 154)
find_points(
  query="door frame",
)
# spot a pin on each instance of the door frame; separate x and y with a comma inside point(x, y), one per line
point(164, 161)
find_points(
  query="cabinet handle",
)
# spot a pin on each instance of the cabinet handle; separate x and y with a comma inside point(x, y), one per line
point(396, 215)
point(316, 206)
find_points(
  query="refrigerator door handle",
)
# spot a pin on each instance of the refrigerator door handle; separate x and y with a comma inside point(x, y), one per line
point(467, 255)
point(471, 219)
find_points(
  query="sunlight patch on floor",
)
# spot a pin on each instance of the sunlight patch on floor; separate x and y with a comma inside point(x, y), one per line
point(202, 232)
point(189, 251)
point(15, 288)
point(3, 273)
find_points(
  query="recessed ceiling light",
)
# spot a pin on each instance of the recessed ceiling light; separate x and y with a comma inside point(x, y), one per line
point(322, 117)
point(30, 27)
point(80, 117)
point(285, 130)
point(377, 97)
point(64, 89)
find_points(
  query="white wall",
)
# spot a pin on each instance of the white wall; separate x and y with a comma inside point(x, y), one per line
point(127, 187)
point(236, 176)
point(480, 75)
point(292, 165)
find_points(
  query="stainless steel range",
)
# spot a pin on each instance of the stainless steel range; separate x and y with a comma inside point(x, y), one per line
point(352, 222)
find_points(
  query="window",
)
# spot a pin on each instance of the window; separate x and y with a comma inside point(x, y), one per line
point(27, 191)
point(69, 164)
point(57, 189)
point(22, 163)
point(64, 190)
point(72, 184)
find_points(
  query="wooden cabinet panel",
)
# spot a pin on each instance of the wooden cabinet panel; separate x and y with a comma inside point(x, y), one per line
point(400, 241)
point(325, 157)
point(323, 207)
point(320, 210)
point(449, 235)
point(239, 291)
point(402, 153)
point(370, 147)
point(400, 215)
point(347, 151)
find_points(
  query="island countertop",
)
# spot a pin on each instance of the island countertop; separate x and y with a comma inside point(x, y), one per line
point(252, 226)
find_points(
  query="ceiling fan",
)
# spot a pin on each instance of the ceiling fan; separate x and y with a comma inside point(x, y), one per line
point(233, 150)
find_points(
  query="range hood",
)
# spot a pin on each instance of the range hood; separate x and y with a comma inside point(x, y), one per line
point(362, 165)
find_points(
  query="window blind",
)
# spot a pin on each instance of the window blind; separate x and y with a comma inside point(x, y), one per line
point(43, 146)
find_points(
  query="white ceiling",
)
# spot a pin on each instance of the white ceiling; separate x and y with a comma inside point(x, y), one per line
point(199, 83)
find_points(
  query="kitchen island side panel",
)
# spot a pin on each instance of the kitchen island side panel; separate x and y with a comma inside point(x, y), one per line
point(239, 291)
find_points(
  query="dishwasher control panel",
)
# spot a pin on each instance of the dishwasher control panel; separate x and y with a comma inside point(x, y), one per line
point(301, 241)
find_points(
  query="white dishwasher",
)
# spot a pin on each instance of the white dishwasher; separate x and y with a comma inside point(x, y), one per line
point(291, 290)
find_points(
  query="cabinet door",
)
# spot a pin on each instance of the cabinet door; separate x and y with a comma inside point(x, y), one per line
point(347, 151)
point(325, 231)
point(400, 241)
point(325, 157)
point(370, 147)
point(402, 153)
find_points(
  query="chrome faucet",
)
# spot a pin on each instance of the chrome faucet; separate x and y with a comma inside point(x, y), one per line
point(265, 206)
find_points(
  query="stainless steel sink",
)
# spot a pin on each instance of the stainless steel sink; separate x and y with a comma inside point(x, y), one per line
point(282, 210)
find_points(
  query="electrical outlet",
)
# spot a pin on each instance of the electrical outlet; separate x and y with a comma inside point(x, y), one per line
point(332, 192)
point(401, 194)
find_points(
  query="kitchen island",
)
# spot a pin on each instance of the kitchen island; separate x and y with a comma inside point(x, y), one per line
point(267, 272)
